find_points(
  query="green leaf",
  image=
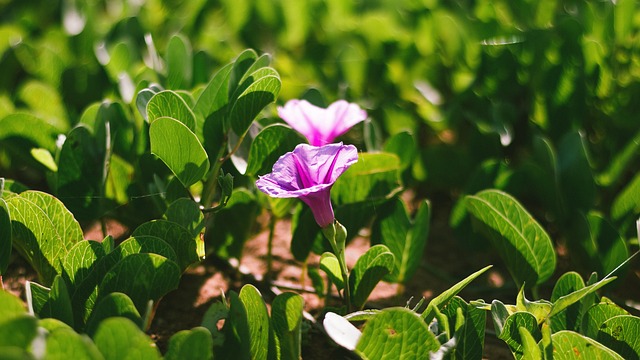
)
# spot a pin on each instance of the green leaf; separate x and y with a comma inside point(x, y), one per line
point(120, 339)
point(58, 306)
point(470, 336)
point(115, 304)
point(146, 244)
point(241, 65)
point(627, 201)
point(576, 178)
point(179, 62)
point(262, 91)
point(216, 312)
point(620, 334)
point(142, 100)
point(521, 241)
point(179, 148)
point(511, 331)
point(565, 301)
point(233, 224)
point(169, 104)
point(192, 344)
point(210, 110)
point(186, 213)
point(64, 343)
point(258, 320)
point(596, 244)
point(80, 178)
point(540, 309)
point(11, 307)
point(569, 345)
point(447, 295)
point(623, 20)
point(19, 331)
point(331, 266)
point(45, 102)
point(370, 268)
point(405, 239)
point(44, 157)
point(597, 315)
point(396, 333)
point(5, 236)
point(37, 297)
point(403, 145)
point(571, 317)
point(143, 277)
point(373, 178)
point(180, 239)
point(43, 231)
point(286, 318)
point(236, 330)
point(268, 146)
point(530, 348)
point(20, 126)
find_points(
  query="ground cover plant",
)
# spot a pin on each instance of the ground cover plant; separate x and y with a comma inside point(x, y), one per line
point(477, 158)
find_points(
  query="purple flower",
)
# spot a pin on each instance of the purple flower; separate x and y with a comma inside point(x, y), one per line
point(321, 126)
point(308, 173)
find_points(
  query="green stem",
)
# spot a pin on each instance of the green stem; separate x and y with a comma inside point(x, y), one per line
point(209, 191)
point(339, 250)
point(272, 226)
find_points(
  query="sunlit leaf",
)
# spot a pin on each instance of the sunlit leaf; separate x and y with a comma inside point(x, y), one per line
point(569, 345)
point(112, 305)
point(598, 314)
point(286, 318)
point(129, 338)
point(271, 143)
point(169, 104)
point(179, 62)
point(179, 148)
point(180, 239)
point(370, 268)
point(194, 344)
point(258, 319)
point(521, 241)
point(373, 178)
point(396, 333)
point(620, 334)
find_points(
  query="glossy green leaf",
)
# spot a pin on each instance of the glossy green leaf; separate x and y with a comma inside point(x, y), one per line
point(620, 334)
point(143, 277)
point(540, 309)
point(370, 268)
point(597, 314)
point(233, 224)
point(112, 305)
point(119, 338)
point(396, 333)
point(169, 104)
point(194, 344)
point(447, 295)
point(210, 111)
point(37, 296)
point(331, 266)
point(262, 91)
point(179, 148)
point(286, 319)
point(44, 157)
point(511, 331)
point(179, 62)
point(43, 231)
point(259, 323)
point(180, 239)
point(569, 345)
point(521, 241)
point(64, 343)
point(405, 239)
point(374, 177)
point(241, 65)
point(5, 235)
point(271, 143)
point(142, 100)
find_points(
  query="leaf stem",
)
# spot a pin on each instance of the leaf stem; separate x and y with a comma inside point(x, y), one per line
point(209, 191)
point(272, 226)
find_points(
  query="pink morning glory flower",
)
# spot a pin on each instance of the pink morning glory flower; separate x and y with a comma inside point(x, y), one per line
point(308, 173)
point(321, 126)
